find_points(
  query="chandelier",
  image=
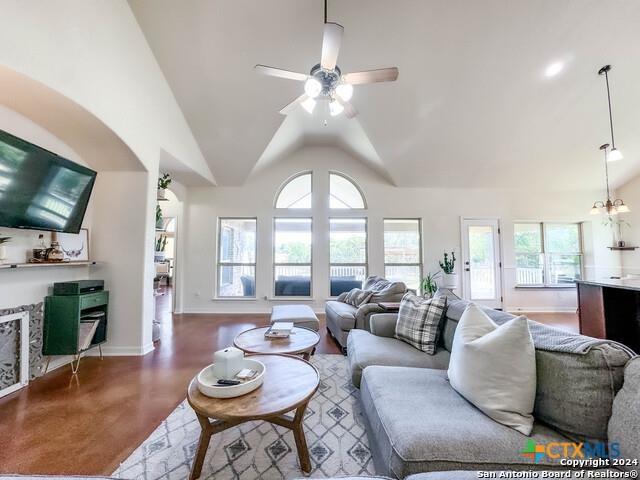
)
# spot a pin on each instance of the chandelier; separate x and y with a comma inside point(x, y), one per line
point(608, 207)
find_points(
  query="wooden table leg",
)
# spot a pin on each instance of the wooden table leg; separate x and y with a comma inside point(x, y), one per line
point(208, 429)
point(203, 445)
point(301, 441)
point(306, 355)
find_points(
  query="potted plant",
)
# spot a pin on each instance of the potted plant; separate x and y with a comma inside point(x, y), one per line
point(429, 285)
point(161, 244)
point(449, 275)
point(159, 222)
point(163, 183)
point(3, 248)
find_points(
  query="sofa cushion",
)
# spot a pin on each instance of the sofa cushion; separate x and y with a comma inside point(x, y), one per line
point(419, 321)
point(357, 297)
point(494, 367)
point(343, 314)
point(623, 427)
point(384, 290)
point(574, 391)
point(365, 349)
point(418, 423)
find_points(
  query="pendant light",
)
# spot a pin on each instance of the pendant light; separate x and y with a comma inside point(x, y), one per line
point(608, 207)
point(614, 154)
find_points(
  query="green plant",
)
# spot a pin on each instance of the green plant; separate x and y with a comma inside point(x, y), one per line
point(161, 243)
point(448, 264)
point(164, 181)
point(4, 240)
point(429, 285)
point(158, 213)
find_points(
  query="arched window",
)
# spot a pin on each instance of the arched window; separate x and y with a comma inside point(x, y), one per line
point(344, 193)
point(295, 192)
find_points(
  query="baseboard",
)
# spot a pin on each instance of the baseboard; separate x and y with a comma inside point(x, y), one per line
point(542, 309)
point(262, 311)
point(114, 351)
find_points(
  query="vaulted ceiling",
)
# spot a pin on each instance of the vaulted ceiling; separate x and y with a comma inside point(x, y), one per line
point(472, 106)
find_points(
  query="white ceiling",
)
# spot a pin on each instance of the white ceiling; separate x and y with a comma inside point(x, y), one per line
point(472, 106)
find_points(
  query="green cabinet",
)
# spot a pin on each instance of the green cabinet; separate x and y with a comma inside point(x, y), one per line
point(63, 319)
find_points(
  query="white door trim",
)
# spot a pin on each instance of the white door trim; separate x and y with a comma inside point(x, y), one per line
point(499, 256)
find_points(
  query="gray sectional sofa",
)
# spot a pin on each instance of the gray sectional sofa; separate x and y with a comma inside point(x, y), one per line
point(416, 422)
point(342, 317)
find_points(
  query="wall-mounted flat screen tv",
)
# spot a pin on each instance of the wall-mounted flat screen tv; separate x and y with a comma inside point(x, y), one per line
point(40, 190)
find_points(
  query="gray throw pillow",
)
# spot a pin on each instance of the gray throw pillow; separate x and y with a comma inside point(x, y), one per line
point(342, 297)
point(419, 321)
point(357, 297)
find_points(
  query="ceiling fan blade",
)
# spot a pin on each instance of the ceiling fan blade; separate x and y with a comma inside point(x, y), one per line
point(372, 76)
point(349, 110)
point(290, 107)
point(331, 40)
point(278, 72)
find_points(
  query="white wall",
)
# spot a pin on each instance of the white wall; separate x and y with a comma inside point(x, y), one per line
point(440, 210)
point(94, 54)
point(630, 193)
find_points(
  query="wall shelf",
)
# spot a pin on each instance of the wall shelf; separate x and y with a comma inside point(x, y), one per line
point(6, 266)
point(622, 248)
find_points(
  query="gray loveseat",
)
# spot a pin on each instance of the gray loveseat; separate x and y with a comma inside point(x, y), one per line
point(342, 317)
point(417, 423)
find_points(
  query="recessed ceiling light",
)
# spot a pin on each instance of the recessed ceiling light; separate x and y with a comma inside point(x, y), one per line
point(554, 69)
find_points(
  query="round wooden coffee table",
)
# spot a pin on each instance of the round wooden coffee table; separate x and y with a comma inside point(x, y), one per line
point(289, 383)
point(302, 341)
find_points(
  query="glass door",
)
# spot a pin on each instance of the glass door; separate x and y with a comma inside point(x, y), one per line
point(482, 281)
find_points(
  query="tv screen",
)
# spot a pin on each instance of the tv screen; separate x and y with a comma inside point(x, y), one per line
point(40, 190)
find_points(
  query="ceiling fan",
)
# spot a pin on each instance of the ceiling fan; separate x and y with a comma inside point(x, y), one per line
point(325, 80)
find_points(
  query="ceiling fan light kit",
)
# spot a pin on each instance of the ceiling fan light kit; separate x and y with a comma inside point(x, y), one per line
point(609, 207)
point(325, 80)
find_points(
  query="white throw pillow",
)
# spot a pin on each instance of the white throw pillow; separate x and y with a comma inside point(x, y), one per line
point(494, 367)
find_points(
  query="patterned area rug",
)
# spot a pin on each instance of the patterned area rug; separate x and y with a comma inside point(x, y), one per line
point(258, 450)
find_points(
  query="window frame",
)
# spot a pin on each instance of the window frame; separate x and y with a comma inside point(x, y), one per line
point(354, 183)
point(284, 185)
point(546, 265)
point(420, 250)
point(219, 264)
point(275, 264)
point(366, 246)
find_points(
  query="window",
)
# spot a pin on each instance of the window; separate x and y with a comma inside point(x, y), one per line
point(296, 192)
point(403, 251)
point(237, 257)
point(347, 254)
point(343, 193)
point(548, 254)
point(292, 257)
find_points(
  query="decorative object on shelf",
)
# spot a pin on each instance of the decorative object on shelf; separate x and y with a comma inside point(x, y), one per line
point(616, 224)
point(55, 253)
point(3, 248)
point(325, 80)
point(159, 222)
point(39, 253)
point(448, 265)
point(615, 154)
point(163, 183)
point(608, 207)
point(161, 244)
point(75, 245)
point(429, 285)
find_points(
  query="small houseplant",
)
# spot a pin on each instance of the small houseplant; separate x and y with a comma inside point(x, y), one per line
point(161, 244)
point(3, 248)
point(616, 225)
point(163, 183)
point(429, 285)
point(449, 275)
point(159, 222)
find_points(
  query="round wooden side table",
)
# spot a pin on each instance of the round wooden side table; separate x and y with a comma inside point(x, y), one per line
point(289, 383)
point(302, 341)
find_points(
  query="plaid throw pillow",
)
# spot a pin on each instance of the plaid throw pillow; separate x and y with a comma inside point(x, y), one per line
point(357, 297)
point(419, 321)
